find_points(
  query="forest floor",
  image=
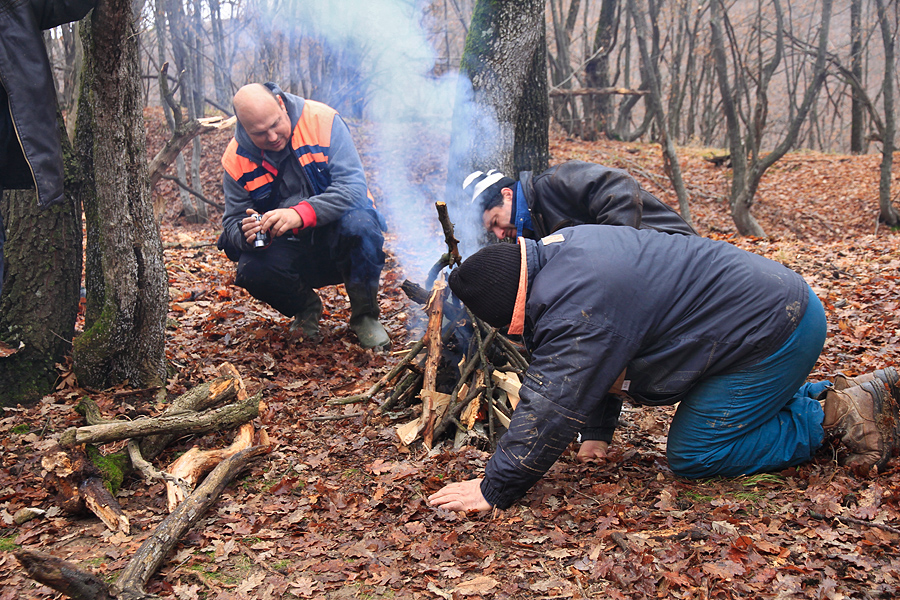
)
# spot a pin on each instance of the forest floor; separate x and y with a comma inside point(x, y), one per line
point(338, 509)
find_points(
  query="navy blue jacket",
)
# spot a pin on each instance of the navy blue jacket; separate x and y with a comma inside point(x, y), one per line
point(671, 309)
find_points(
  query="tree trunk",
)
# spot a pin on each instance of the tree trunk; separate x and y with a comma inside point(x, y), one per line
point(127, 292)
point(499, 53)
point(531, 151)
point(887, 213)
point(598, 110)
point(40, 296)
point(857, 108)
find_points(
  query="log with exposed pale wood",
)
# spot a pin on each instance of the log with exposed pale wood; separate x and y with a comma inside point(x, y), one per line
point(195, 463)
point(79, 486)
point(68, 579)
point(435, 310)
point(224, 417)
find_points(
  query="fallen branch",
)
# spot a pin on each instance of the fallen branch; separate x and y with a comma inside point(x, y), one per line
point(79, 486)
point(177, 424)
point(852, 521)
point(607, 91)
point(147, 559)
point(370, 393)
point(63, 576)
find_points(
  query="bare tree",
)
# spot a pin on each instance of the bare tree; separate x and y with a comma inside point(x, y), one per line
point(745, 119)
point(651, 68)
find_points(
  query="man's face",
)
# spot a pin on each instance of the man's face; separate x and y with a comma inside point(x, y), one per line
point(267, 123)
point(498, 220)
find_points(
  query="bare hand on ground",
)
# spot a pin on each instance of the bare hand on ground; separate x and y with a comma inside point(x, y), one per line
point(592, 451)
point(462, 495)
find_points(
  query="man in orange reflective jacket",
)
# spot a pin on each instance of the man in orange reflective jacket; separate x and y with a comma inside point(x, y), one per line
point(298, 215)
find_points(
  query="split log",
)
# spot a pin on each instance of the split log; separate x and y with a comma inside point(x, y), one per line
point(63, 576)
point(178, 424)
point(79, 486)
point(195, 463)
point(147, 559)
point(435, 310)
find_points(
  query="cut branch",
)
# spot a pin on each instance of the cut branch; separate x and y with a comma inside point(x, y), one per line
point(147, 559)
point(178, 424)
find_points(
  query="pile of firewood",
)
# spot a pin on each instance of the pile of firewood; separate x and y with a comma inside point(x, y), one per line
point(220, 404)
point(465, 373)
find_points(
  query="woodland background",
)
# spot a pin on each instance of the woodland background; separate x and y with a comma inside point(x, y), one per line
point(338, 509)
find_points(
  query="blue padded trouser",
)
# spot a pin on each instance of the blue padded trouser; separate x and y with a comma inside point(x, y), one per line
point(762, 418)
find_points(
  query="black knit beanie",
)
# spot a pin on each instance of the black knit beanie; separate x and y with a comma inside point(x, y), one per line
point(487, 282)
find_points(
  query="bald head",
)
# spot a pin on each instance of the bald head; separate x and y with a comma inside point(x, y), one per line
point(263, 116)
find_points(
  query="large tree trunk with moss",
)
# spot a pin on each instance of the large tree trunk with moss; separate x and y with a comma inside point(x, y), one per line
point(125, 276)
point(40, 297)
point(494, 73)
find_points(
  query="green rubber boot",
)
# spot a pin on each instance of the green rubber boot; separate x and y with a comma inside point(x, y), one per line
point(306, 322)
point(364, 317)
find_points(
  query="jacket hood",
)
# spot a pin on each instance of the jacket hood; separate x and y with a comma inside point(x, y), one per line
point(294, 106)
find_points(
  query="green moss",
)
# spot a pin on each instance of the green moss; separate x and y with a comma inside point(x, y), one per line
point(20, 429)
point(8, 544)
point(112, 466)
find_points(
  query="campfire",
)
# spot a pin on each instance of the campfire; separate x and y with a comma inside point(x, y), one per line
point(465, 373)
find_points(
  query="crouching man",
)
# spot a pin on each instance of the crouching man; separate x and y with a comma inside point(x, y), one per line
point(298, 215)
point(728, 335)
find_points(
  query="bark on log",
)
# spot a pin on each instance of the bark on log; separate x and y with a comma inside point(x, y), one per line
point(174, 425)
point(195, 463)
point(221, 389)
point(435, 310)
point(147, 558)
point(63, 576)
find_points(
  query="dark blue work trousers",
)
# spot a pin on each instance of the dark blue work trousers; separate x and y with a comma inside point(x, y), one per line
point(346, 251)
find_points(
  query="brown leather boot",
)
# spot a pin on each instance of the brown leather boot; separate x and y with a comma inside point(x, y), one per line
point(889, 377)
point(864, 417)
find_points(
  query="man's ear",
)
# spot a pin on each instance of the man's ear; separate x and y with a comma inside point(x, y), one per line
point(507, 194)
point(281, 102)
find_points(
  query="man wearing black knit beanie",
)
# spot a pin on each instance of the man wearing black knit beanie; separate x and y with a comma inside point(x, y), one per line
point(727, 335)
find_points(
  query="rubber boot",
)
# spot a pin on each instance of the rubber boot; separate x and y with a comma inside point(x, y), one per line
point(889, 377)
point(306, 322)
point(364, 317)
point(864, 418)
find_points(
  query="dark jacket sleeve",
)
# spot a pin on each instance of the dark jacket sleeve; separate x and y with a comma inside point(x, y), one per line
point(578, 192)
point(602, 422)
point(51, 13)
point(571, 361)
